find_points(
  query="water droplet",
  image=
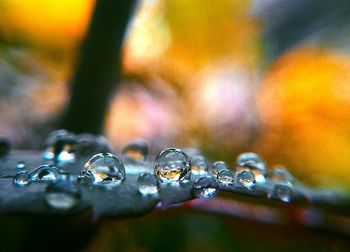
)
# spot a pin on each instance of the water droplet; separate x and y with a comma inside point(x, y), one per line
point(225, 176)
point(20, 165)
point(259, 171)
point(5, 146)
point(246, 179)
point(103, 169)
point(282, 192)
point(281, 175)
point(88, 144)
point(199, 165)
point(253, 159)
point(218, 166)
point(62, 195)
point(61, 147)
point(283, 184)
point(45, 173)
point(147, 184)
point(172, 165)
point(136, 150)
point(205, 187)
point(21, 179)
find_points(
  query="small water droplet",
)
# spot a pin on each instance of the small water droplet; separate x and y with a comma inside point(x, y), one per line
point(45, 173)
point(253, 159)
point(246, 179)
point(283, 192)
point(172, 165)
point(22, 178)
point(218, 166)
point(103, 169)
point(20, 165)
point(281, 175)
point(147, 183)
point(199, 165)
point(61, 147)
point(205, 187)
point(62, 195)
point(136, 150)
point(5, 146)
point(225, 176)
point(88, 144)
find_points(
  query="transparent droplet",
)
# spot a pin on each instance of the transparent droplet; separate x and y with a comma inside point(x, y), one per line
point(246, 179)
point(62, 195)
point(172, 165)
point(136, 150)
point(45, 173)
point(283, 192)
point(205, 187)
point(225, 176)
point(281, 175)
point(89, 144)
point(20, 165)
point(103, 169)
point(253, 159)
point(218, 166)
point(61, 147)
point(147, 183)
point(21, 179)
point(260, 175)
point(199, 165)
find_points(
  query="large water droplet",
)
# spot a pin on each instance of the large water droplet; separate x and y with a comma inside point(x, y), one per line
point(61, 147)
point(103, 169)
point(225, 176)
point(62, 195)
point(218, 166)
point(147, 183)
point(136, 150)
point(253, 159)
point(246, 179)
point(200, 165)
point(45, 173)
point(205, 187)
point(282, 192)
point(5, 146)
point(172, 165)
point(20, 165)
point(21, 179)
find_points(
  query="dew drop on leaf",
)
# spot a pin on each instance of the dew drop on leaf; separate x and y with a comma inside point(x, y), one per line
point(45, 173)
point(246, 179)
point(205, 187)
point(103, 169)
point(200, 165)
point(218, 166)
point(172, 165)
point(225, 176)
point(137, 150)
point(21, 165)
point(21, 179)
point(147, 184)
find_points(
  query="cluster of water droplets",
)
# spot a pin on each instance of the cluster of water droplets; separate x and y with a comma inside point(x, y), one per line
point(171, 167)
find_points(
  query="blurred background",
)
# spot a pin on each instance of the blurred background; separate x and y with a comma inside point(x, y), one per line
point(231, 76)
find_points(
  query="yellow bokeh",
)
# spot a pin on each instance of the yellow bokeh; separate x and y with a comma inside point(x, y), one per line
point(53, 23)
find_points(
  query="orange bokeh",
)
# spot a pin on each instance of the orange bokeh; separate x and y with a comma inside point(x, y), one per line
point(304, 104)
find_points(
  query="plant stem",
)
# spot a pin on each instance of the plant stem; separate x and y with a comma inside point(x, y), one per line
point(98, 69)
